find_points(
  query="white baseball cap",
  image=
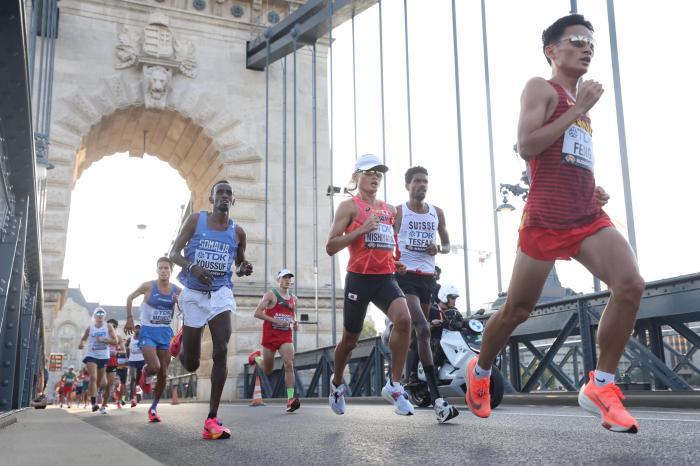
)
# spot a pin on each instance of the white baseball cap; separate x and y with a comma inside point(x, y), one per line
point(284, 273)
point(370, 162)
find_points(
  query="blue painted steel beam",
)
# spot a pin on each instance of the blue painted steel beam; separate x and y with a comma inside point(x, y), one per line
point(313, 23)
point(672, 298)
point(547, 359)
point(9, 332)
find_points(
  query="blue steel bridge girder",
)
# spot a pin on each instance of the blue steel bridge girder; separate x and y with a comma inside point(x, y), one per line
point(670, 302)
point(9, 333)
point(312, 22)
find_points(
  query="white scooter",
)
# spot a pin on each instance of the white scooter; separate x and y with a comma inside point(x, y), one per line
point(460, 341)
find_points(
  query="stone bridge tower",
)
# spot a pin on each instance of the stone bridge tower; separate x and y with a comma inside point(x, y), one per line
point(176, 70)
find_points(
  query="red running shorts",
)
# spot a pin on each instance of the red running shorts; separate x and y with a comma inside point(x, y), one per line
point(274, 340)
point(546, 244)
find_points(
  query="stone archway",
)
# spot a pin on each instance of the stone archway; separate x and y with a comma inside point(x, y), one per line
point(203, 114)
point(192, 135)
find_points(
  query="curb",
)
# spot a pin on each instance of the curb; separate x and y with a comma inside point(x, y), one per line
point(10, 417)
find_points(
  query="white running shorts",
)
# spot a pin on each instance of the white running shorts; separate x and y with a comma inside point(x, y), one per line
point(199, 307)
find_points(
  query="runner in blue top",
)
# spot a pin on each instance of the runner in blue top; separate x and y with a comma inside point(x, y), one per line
point(157, 309)
point(212, 243)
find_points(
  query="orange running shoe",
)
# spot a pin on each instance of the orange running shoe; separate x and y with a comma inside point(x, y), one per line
point(293, 404)
point(176, 344)
point(477, 396)
point(146, 381)
point(606, 402)
point(153, 415)
point(252, 357)
point(214, 429)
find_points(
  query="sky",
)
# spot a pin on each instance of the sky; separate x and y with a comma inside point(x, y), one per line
point(659, 92)
point(109, 202)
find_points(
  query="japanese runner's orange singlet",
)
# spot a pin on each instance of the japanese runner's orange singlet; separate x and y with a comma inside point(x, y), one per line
point(373, 252)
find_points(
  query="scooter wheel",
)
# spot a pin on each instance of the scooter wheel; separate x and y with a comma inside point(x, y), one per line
point(420, 399)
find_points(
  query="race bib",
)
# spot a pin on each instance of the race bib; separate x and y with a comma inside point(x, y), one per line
point(381, 237)
point(285, 318)
point(161, 316)
point(577, 149)
point(418, 239)
point(216, 263)
point(98, 345)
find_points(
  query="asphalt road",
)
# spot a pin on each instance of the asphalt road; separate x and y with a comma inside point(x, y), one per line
point(373, 434)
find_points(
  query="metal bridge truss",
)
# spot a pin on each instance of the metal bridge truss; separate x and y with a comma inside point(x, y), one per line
point(367, 372)
point(546, 352)
point(550, 347)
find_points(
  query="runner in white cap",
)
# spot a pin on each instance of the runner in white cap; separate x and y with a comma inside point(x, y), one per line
point(277, 310)
point(364, 225)
point(97, 336)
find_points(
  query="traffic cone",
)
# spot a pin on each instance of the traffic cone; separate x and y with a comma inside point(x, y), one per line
point(257, 393)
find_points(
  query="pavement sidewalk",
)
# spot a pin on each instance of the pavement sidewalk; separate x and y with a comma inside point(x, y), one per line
point(56, 437)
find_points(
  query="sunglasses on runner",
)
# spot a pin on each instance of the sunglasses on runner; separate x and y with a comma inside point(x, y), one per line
point(376, 173)
point(580, 41)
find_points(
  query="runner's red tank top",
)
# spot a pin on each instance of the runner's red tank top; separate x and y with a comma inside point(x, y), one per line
point(283, 310)
point(561, 177)
point(373, 252)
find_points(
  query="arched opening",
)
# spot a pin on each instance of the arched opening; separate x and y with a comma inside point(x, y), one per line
point(165, 134)
point(68, 337)
point(189, 151)
point(125, 212)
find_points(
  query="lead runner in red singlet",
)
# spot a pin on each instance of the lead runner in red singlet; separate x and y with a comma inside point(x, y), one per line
point(364, 225)
point(277, 310)
point(563, 219)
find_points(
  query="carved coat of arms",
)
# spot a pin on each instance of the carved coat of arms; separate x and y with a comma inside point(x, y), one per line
point(159, 54)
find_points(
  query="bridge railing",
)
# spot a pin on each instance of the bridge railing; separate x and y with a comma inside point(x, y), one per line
point(548, 352)
point(365, 374)
point(185, 384)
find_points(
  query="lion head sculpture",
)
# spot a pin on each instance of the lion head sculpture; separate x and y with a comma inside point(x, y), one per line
point(156, 82)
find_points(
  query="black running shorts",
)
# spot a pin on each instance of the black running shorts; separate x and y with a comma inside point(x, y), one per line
point(417, 284)
point(362, 289)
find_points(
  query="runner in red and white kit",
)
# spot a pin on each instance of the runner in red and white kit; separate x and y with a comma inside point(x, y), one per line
point(364, 225)
point(563, 219)
point(277, 310)
point(418, 225)
point(112, 365)
point(136, 363)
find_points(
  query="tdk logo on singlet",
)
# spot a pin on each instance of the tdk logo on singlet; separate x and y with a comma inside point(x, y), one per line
point(420, 235)
point(213, 256)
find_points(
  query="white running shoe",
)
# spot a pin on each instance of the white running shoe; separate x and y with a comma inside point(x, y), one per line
point(103, 410)
point(337, 397)
point(396, 396)
point(444, 411)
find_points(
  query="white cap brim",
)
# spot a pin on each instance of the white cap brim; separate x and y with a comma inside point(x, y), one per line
point(370, 162)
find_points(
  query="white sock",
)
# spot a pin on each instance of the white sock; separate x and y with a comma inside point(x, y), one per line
point(480, 372)
point(603, 378)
